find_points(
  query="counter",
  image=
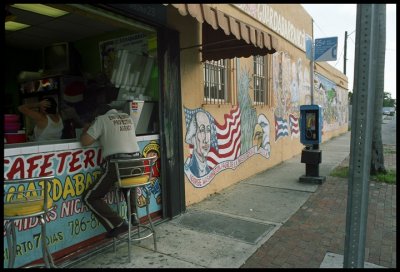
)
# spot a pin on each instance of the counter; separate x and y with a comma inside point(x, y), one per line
point(75, 168)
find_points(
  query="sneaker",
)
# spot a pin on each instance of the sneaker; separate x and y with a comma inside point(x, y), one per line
point(124, 227)
point(134, 219)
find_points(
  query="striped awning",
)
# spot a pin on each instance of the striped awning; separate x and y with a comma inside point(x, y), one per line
point(227, 37)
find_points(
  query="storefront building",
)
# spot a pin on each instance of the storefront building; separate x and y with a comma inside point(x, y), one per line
point(214, 90)
point(250, 103)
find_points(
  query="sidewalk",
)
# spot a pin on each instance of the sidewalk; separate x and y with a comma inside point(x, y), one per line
point(268, 220)
point(314, 236)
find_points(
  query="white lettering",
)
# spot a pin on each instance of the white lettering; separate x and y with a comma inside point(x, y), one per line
point(269, 17)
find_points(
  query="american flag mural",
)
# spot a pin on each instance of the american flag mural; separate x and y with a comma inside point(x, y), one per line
point(225, 138)
point(294, 125)
point(226, 145)
point(281, 128)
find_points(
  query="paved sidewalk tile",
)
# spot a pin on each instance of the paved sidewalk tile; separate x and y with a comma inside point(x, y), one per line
point(318, 227)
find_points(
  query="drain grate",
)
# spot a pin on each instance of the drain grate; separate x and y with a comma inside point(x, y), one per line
point(206, 222)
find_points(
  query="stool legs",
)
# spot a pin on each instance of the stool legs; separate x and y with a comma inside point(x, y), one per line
point(12, 243)
point(139, 226)
point(128, 204)
point(44, 244)
point(149, 218)
point(48, 259)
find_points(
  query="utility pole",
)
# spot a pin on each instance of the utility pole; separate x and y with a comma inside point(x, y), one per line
point(345, 51)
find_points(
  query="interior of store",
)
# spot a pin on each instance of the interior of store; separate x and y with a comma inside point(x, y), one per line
point(82, 57)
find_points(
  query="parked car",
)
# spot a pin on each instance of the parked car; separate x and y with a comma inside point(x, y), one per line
point(388, 111)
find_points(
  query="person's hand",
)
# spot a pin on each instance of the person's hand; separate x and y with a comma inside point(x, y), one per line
point(45, 104)
point(85, 127)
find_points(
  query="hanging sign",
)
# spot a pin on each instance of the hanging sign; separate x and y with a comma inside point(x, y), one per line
point(325, 49)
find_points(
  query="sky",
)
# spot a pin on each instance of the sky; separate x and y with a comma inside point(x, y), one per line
point(332, 20)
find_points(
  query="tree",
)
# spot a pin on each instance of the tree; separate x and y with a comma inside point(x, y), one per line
point(350, 96)
point(377, 159)
point(388, 101)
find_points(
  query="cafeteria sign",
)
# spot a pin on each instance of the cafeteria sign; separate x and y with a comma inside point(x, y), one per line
point(325, 49)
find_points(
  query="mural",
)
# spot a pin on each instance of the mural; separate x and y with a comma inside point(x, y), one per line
point(215, 147)
point(150, 150)
point(248, 113)
point(290, 86)
point(333, 99)
point(198, 136)
point(261, 134)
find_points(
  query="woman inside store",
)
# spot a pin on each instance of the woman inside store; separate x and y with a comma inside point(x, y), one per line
point(48, 123)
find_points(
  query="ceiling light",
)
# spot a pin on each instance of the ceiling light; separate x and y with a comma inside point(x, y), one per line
point(41, 9)
point(13, 26)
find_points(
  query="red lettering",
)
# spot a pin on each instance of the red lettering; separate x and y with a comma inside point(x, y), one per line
point(73, 166)
point(99, 157)
point(17, 167)
point(89, 155)
point(32, 164)
point(63, 157)
point(46, 164)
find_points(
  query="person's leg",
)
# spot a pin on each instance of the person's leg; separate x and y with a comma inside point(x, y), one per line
point(133, 201)
point(93, 198)
point(134, 216)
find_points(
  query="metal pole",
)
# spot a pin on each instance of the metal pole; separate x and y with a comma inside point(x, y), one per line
point(312, 64)
point(345, 52)
point(361, 134)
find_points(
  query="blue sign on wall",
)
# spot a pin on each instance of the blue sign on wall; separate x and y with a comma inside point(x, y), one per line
point(325, 49)
point(309, 45)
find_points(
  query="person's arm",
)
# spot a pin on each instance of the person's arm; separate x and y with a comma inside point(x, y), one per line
point(86, 139)
point(29, 110)
point(69, 112)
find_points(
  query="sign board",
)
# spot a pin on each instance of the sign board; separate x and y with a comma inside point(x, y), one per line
point(325, 49)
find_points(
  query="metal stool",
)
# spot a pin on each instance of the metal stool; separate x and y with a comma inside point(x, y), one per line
point(22, 202)
point(133, 174)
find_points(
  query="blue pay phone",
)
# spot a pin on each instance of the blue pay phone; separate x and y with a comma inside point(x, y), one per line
point(310, 124)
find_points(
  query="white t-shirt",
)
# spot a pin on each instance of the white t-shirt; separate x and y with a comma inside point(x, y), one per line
point(116, 133)
point(52, 131)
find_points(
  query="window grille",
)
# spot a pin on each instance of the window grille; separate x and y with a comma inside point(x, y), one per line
point(215, 82)
point(260, 81)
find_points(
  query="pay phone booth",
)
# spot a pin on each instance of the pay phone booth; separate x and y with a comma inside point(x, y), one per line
point(310, 135)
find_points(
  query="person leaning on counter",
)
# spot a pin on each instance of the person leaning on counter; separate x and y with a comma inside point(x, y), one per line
point(48, 123)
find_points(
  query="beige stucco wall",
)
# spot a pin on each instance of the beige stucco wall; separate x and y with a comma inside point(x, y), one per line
point(293, 57)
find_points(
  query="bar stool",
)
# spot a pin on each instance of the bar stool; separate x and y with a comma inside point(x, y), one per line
point(133, 174)
point(24, 198)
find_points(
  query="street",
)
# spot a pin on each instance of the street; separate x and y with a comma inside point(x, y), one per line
point(389, 130)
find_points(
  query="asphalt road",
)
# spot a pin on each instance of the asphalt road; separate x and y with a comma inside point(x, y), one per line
point(389, 130)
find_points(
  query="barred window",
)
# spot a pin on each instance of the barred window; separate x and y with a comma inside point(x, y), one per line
point(215, 82)
point(260, 81)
